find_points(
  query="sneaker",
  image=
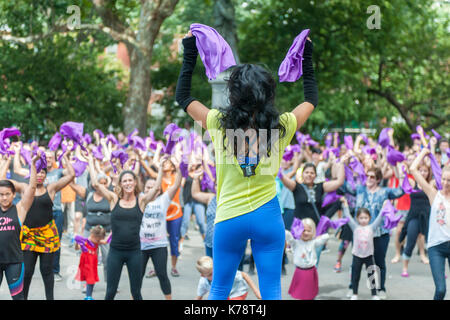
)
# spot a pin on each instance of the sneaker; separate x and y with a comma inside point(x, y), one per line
point(89, 298)
point(186, 237)
point(405, 274)
point(382, 294)
point(174, 273)
point(58, 277)
point(151, 274)
point(354, 297)
point(376, 298)
point(338, 267)
point(349, 293)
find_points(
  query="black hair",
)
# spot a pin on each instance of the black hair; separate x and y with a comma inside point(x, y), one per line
point(316, 150)
point(8, 184)
point(310, 165)
point(251, 93)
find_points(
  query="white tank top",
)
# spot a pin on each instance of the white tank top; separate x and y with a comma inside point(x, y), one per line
point(439, 231)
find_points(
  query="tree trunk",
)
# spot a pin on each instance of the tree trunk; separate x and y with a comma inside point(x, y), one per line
point(135, 111)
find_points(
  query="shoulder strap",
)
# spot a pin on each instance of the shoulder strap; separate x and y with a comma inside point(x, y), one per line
point(312, 201)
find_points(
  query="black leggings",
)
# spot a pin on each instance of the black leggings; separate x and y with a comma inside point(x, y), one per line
point(115, 261)
point(14, 276)
point(159, 259)
point(357, 264)
point(46, 268)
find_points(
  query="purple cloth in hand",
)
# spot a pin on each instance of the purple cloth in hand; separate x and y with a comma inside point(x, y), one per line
point(55, 141)
point(291, 68)
point(436, 134)
point(383, 139)
point(390, 218)
point(406, 186)
point(415, 136)
point(100, 133)
point(184, 169)
point(394, 156)
point(4, 134)
point(79, 167)
point(97, 152)
point(214, 51)
point(329, 140)
point(329, 198)
point(297, 228)
point(436, 169)
point(73, 131)
point(348, 140)
point(82, 243)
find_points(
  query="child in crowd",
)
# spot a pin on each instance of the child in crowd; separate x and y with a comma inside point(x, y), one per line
point(241, 284)
point(87, 269)
point(305, 281)
point(362, 246)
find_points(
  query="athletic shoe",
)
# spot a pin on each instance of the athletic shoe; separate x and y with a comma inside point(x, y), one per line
point(174, 273)
point(376, 298)
point(89, 298)
point(382, 294)
point(354, 297)
point(349, 293)
point(405, 274)
point(186, 237)
point(338, 267)
point(151, 274)
point(58, 277)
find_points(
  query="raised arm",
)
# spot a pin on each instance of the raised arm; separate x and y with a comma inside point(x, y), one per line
point(18, 169)
point(24, 205)
point(54, 187)
point(79, 190)
point(194, 108)
point(146, 167)
point(304, 110)
point(428, 188)
point(333, 185)
point(171, 191)
point(352, 223)
point(288, 183)
point(104, 191)
point(197, 194)
point(150, 195)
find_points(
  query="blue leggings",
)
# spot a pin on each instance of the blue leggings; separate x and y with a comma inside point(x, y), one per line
point(265, 228)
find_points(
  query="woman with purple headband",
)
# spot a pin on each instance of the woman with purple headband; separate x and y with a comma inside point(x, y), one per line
point(247, 205)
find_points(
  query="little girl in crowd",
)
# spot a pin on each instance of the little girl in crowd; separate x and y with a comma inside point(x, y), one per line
point(87, 269)
point(305, 281)
point(362, 246)
point(241, 283)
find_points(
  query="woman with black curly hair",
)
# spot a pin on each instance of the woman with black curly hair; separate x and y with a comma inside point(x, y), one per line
point(247, 206)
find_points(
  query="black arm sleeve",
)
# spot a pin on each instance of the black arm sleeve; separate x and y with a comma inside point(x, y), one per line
point(309, 81)
point(183, 90)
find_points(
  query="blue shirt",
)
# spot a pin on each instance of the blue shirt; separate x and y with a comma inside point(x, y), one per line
point(373, 201)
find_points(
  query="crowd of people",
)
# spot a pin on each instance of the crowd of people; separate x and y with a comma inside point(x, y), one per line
point(132, 202)
point(131, 198)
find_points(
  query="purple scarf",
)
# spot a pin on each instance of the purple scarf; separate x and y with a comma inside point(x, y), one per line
point(436, 169)
point(215, 52)
point(297, 228)
point(291, 68)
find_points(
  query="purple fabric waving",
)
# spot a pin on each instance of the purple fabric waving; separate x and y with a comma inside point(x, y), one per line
point(365, 139)
point(383, 139)
point(111, 138)
point(26, 154)
point(87, 138)
point(100, 133)
point(288, 153)
point(415, 136)
point(329, 140)
point(369, 150)
point(79, 166)
point(349, 176)
point(55, 141)
point(406, 186)
point(348, 140)
point(390, 218)
point(336, 224)
point(437, 171)
point(394, 156)
point(73, 131)
point(323, 225)
point(184, 169)
point(297, 228)
point(358, 168)
point(436, 134)
point(207, 183)
point(97, 152)
point(41, 163)
point(448, 152)
point(64, 149)
point(329, 198)
point(214, 51)
point(137, 143)
point(121, 155)
point(4, 134)
point(291, 68)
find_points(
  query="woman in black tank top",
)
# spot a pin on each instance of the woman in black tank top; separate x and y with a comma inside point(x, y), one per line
point(127, 206)
point(40, 223)
point(11, 218)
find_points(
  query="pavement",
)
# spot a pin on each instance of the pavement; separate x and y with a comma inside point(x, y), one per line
point(332, 285)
